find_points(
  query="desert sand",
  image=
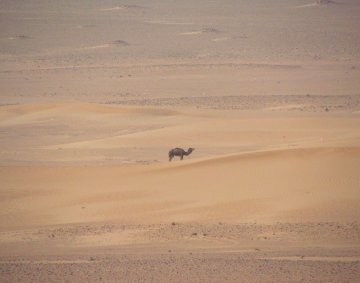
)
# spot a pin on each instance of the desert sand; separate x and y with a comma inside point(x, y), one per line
point(95, 93)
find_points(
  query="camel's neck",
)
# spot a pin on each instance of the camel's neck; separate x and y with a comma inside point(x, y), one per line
point(188, 152)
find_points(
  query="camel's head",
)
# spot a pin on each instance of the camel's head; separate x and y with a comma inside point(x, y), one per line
point(190, 150)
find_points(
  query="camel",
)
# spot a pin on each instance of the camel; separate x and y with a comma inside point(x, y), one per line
point(179, 152)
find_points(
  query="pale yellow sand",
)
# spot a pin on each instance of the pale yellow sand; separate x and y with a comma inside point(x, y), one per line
point(317, 184)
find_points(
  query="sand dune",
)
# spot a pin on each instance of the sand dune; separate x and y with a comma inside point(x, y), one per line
point(55, 133)
point(262, 186)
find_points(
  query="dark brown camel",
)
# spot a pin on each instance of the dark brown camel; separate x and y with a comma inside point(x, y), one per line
point(179, 152)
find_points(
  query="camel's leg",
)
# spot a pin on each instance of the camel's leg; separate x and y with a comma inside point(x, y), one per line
point(181, 157)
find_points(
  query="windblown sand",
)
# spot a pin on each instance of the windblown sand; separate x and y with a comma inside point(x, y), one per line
point(95, 93)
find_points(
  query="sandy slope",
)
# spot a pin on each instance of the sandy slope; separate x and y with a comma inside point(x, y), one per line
point(81, 133)
point(262, 166)
point(318, 184)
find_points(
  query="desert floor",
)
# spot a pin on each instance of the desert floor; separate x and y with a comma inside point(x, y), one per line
point(95, 93)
